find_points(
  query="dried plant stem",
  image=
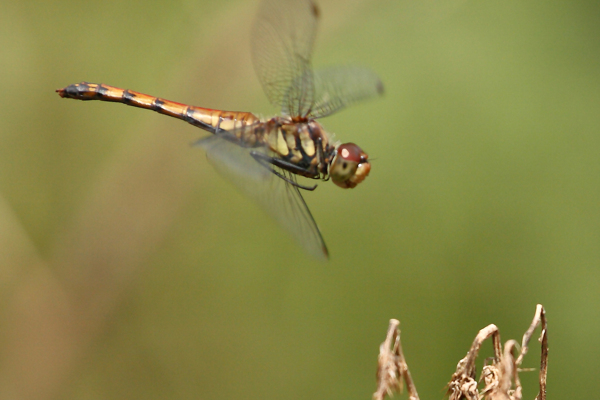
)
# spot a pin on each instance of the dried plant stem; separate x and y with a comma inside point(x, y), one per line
point(539, 318)
point(392, 366)
point(501, 377)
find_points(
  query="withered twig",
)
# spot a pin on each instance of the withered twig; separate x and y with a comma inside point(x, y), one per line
point(509, 371)
point(392, 367)
point(499, 376)
point(410, 385)
point(463, 383)
point(490, 330)
point(539, 318)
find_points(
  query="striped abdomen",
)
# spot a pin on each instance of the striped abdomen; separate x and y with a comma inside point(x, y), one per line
point(205, 118)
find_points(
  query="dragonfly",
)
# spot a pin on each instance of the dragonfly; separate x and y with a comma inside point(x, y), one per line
point(265, 157)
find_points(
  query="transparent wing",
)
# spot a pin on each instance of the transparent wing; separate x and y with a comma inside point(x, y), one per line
point(338, 87)
point(278, 198)
point(282, 44)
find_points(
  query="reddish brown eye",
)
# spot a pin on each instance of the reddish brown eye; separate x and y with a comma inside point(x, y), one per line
point(350, 152)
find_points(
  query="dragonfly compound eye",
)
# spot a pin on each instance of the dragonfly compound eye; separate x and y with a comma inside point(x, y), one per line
point(350, 166)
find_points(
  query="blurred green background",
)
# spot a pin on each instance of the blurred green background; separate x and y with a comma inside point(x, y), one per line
point(130, 269)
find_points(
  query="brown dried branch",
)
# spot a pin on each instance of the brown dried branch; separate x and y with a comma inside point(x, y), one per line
point(463, 383)
point(539, 318)
point(392, 367)
point(501, 377)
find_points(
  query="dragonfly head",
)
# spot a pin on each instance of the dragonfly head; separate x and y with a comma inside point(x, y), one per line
point(350, 166)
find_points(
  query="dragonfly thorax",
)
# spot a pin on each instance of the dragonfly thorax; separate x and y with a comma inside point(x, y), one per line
point(305, 144)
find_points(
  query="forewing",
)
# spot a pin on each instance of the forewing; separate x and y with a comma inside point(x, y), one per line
point(282, 44)
point(277, 197)
point(339, 87)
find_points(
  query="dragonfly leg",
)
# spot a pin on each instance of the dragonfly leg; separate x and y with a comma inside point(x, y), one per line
point(323, 168)
point(266, 160)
